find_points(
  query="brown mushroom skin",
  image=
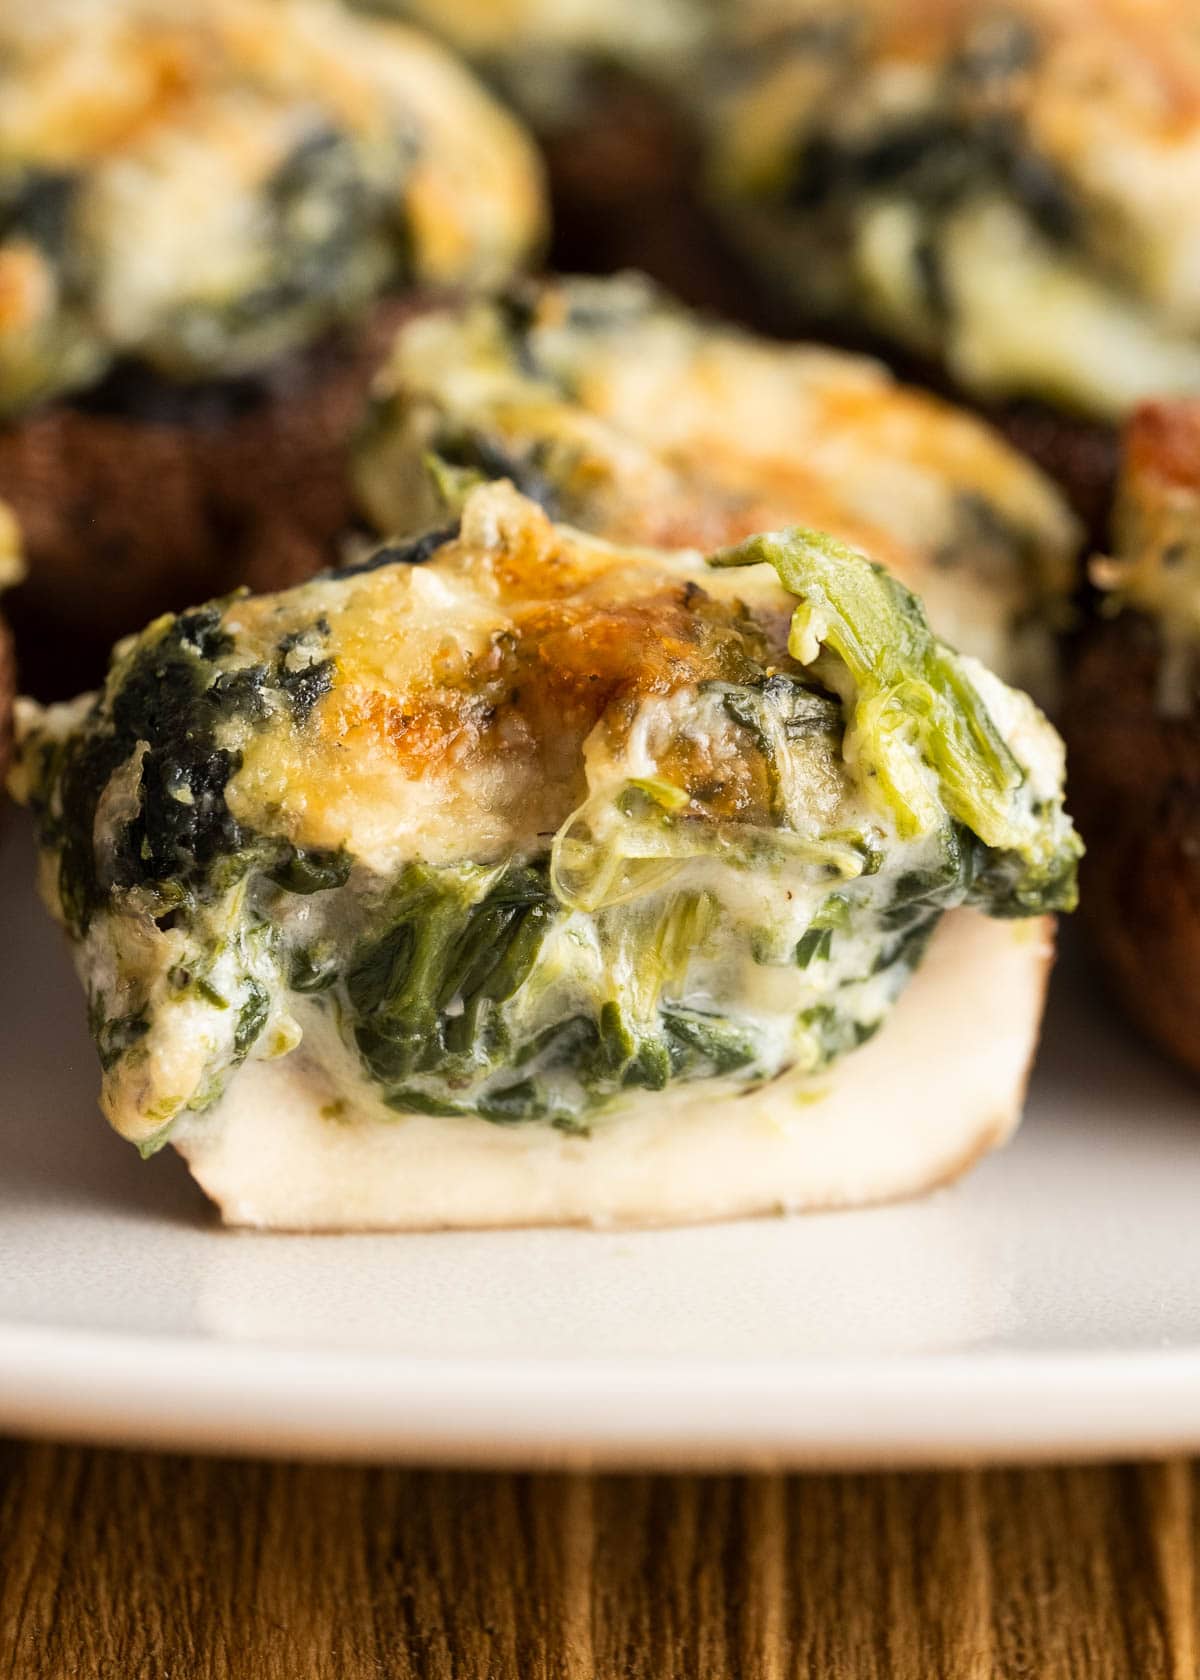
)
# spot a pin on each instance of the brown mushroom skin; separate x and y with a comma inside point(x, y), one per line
point(1080, 455)
point(1134, 740)
point(1134, 780)
point(145, 504)
point(624, 176)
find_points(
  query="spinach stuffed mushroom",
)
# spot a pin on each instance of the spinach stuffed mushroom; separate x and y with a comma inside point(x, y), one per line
point(1133, 722)
point(514, 875)
point(603, 84)
point(1010, 185)
point(633, 418)
point(1012, 189)
point(200, 208)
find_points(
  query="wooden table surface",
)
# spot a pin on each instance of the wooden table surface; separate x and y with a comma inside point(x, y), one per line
point(128, 1565)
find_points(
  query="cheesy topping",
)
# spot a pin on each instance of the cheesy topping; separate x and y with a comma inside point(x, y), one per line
point(1014, 185)
point(203, 188)
point(513, 823)
point(631, 417)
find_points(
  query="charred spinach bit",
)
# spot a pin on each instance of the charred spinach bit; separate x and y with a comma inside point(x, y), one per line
point(566, 1044)
point(803, 708)
point(1005, 886)
point(242, 692)
point(509, 1103)
point(903, 953)
point(950, 883)
point(163, 702)
point(471, 450)
point(414, 553)
point(203, 629)
point(306, 686)
point(406, 1101)
point(168, 701)
point(313, 251)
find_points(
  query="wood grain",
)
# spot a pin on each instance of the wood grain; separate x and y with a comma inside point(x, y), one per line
point(124, 1566)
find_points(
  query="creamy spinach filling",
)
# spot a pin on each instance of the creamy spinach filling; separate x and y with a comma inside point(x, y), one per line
point(750, 880)
point(938, 219)
point(51, 346)
point(331, 233)
point(324, 231)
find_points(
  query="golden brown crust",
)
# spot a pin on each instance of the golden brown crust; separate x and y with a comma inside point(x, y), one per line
point(1135, 793)
point(1162, 449)
point(125, 516)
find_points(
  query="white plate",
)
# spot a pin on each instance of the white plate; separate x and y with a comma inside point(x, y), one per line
point(1048, 1305)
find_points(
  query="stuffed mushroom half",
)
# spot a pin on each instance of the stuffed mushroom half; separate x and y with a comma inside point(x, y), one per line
point(1011, 185)
point(1011, 189)
point(604, 86)
point(517, 876)
point(627, 415)
point(201, 208)
point(1133, 721)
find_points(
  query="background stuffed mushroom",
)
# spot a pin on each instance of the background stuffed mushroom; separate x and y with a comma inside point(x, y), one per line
point(603, 84)
point(627, 415)
point(1133, 726)
point(1005, 190)
point(207, 220)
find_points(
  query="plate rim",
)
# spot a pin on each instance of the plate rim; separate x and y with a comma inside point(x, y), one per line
point(199, 1394)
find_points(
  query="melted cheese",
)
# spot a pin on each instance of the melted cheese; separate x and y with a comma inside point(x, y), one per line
point(647, 424)
point(465, 692)
point(1084, 115)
